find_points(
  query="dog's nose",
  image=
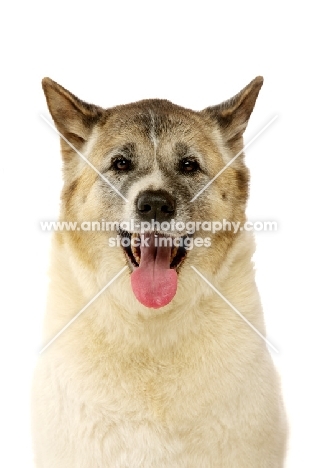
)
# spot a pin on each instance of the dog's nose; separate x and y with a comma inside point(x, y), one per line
point(155, 204)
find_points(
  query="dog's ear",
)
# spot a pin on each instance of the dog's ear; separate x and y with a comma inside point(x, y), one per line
point(233, 115)
point(74, 119)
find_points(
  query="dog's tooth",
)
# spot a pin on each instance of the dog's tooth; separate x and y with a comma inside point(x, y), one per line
point(173, 252)
point(135, 254)
point(135, 249)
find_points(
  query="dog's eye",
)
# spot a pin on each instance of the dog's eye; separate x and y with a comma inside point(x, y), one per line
point(122, 164)
point(189, 166)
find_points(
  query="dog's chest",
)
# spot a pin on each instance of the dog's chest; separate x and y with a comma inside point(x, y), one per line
point(143, 387)
point(137, 409)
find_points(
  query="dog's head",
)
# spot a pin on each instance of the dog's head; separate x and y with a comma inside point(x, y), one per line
point(146, 180)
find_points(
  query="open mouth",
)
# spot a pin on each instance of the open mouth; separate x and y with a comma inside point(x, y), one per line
point(131, 244)
point(154, 259)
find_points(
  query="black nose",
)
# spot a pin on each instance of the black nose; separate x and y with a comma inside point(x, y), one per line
point(155, 204)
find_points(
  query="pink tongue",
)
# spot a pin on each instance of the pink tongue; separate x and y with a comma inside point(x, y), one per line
point(153, 282)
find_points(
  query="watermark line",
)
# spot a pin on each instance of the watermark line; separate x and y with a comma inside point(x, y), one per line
point(235, 309)
point(234, 158)
point(84, 158)
point(172, 227)
point(83, 309)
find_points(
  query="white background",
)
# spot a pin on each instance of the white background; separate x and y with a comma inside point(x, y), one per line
point(195, 54)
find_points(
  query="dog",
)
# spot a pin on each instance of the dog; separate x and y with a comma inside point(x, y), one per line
point(146, 363)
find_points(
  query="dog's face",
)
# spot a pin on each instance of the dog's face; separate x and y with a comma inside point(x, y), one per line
point(149, 164)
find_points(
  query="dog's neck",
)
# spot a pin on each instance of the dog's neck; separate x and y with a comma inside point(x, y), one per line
point(116, 318)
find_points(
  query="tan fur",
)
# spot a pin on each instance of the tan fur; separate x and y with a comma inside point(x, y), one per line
point(187, 385)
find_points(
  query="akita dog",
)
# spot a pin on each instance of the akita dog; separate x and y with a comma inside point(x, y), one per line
point(157, 370)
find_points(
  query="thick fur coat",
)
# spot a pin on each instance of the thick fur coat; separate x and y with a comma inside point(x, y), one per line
point(185, 385)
